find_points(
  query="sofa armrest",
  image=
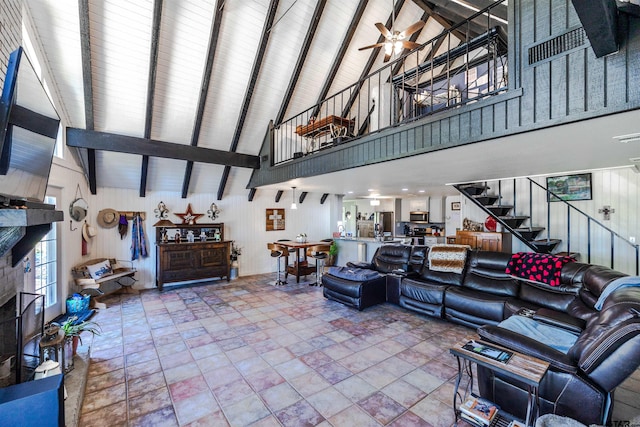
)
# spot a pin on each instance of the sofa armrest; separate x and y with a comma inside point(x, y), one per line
point(559, 320)
point(520, 343)
point(361, 265)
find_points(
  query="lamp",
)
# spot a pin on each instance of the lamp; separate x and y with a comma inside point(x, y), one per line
point(293, 203)
point(164, 223)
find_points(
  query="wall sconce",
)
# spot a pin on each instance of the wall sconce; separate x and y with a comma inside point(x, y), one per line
point(162, 212)
point(213, 211)
point(293, 203)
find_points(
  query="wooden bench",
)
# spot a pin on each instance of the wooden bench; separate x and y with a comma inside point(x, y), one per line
point(123, 275)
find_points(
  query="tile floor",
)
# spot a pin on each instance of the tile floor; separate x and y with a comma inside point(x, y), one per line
point(248, 353)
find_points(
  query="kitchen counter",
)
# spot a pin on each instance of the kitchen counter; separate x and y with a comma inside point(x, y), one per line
point(359, 249)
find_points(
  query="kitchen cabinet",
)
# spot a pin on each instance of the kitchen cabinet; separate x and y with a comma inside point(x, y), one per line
point(199, 260)
point(436, 209)
point(486, 241)
point(418, 204)
point(412, 204)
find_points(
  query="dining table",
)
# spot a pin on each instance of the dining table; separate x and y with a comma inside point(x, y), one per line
point(300, 267)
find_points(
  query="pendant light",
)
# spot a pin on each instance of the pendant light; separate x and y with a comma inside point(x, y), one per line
point(293, 203)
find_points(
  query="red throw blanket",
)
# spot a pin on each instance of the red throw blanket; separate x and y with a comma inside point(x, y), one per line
point(543, 268)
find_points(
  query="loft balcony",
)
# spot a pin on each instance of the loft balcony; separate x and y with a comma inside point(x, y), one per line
point(420, 84)
point(504, 81)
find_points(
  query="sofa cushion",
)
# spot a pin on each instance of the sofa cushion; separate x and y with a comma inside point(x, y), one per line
point(356, 274)
point(391, 257)
point(486, 273)
point(418, 290)
point(546, 296)
point(417, 257)
point(597, 278)
point(557, 338)
point(476, 303)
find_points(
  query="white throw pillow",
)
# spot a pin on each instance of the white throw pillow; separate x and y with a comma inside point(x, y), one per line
point(100, 270)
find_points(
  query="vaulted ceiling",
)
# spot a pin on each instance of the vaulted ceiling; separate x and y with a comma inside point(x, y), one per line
point(157, 84)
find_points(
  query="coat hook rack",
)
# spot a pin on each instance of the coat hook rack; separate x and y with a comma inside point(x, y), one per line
point(71, 226)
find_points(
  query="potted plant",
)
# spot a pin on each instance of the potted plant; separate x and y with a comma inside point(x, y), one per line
point(301, 238)
point(73, 330)
point(333, 253)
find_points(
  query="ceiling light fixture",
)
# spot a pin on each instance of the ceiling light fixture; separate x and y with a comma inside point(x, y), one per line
point(627, 138)
point(374, 202)
point(293, 203)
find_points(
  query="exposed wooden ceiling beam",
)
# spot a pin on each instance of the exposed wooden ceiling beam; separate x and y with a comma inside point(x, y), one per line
point(252, 193)
point(341, 53)
point(278, 195)
point(87, 83)
point(317, 14)
point(204, 89)
point(439, 19)
point(255, 72)
point(151, 88)
point(94, 140)
point(372, 59)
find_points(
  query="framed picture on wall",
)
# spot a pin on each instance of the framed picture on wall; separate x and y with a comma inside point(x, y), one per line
point(275, 219)
point(569, 187)
point(455, 206)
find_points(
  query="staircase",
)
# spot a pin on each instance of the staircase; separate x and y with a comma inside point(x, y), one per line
point(478, 193)
point(525, 209)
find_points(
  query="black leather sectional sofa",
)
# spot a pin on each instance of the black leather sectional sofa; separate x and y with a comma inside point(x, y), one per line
point(579, 383)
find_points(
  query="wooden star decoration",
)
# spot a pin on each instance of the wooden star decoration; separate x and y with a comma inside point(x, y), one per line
point(189, 217)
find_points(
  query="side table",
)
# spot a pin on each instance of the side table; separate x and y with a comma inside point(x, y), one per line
point(521, 367)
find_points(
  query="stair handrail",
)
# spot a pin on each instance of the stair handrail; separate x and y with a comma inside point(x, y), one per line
point(496, 217)
point(569, 206)
point(591, 219)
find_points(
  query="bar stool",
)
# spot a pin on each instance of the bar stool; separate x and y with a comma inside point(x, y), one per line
point(278, 251)
point(319, 253)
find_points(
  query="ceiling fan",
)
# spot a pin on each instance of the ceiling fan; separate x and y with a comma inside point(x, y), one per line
point(395, 40)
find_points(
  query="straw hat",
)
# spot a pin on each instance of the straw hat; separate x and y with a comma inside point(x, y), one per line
point(88, 232)
point(108, 218)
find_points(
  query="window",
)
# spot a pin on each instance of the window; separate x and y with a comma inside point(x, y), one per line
point(46, 265)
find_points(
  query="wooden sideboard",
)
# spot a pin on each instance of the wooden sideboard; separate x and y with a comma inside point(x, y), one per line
point(484, 240)
point(198, 260)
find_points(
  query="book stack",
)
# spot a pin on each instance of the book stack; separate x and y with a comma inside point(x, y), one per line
point(478, 411)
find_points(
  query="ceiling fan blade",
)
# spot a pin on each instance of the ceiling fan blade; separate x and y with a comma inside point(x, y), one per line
point(372, 46)
point(385, 32)
point(410, 45)
point(387, 57)
point(411, 29)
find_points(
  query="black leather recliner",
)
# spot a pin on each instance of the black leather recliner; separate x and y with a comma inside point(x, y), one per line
point(362, 294)
point(578, 384)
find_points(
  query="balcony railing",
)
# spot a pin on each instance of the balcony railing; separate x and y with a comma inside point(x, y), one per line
point(457, 67)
